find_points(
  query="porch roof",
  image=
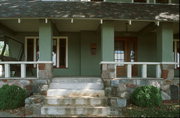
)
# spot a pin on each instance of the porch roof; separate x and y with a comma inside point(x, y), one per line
point(94, 10)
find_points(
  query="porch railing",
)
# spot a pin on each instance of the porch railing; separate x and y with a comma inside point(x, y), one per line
point(143, 66)
point(5, 70)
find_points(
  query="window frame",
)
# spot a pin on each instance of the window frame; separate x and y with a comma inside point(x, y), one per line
point(35, 38)
point(175, 51)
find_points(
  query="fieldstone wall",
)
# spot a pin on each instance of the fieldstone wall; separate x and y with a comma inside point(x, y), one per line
point(32, 86)
point(118, 91)
point(33, 105)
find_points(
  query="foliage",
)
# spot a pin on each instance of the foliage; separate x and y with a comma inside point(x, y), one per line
point(165, 110)
point(12, 97)
point(146, 96)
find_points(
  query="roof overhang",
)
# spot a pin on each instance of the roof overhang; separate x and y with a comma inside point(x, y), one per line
point(35, 9)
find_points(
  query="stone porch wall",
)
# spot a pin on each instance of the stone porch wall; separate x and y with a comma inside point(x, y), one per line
point(119, 90)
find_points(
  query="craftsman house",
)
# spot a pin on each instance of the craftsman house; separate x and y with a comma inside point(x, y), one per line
point(111, 39)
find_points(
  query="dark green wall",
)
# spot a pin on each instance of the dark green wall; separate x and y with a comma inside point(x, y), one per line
point(90, 64)
point(73, 56)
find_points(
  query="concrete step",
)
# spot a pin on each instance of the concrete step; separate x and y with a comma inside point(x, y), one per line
point(77, 101)
point(75, 110)
point(75, 93)
point(77, 86)
point(76, 79)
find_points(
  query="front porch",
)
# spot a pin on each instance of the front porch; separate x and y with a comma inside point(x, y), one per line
point(80, 46)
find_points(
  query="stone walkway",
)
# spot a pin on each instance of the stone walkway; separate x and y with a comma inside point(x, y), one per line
point(6, 114)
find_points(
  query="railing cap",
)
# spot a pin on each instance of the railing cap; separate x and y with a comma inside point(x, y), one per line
point(141, 63)
point(25, 62)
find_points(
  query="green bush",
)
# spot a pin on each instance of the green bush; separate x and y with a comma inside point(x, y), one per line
point(146, 96)
point(12, 97)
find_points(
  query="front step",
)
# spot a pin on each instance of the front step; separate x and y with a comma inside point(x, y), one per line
point(77, 86)
point(77, 96)
point(75, 110)
point(75, 93)
point(79, 101)
point(76, 80)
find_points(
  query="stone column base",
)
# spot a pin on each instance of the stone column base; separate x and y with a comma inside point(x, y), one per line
point(45, 71)
point(167, 71)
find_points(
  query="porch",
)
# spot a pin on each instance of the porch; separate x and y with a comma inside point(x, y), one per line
point(82, 45)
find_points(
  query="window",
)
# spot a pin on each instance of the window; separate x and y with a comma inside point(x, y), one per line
point(176, 50)
point(59, 50)
point(4, 48)
point(144, 1)
point(162, 1)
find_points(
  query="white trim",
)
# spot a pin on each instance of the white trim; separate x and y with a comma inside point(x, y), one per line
point(66, 52)
point(34, 50)
point(25, 48)
point(57, 57)
point(148, 63)
point(25, 62)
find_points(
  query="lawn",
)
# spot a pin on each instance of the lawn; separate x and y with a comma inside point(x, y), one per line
point(169, 109)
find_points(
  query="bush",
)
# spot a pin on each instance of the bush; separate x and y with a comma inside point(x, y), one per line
point(146, 96)
point(12, 97)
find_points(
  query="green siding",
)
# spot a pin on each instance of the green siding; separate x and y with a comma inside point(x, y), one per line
point(80, 60)
point(90, 64)
point(73, 56)
point(147, 51)
point(107, 41)
point(45, 41)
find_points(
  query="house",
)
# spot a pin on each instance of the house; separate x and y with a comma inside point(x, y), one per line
point(112, 39)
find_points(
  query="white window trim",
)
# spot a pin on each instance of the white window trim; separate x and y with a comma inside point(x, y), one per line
point(54, 37)
point(175, 50)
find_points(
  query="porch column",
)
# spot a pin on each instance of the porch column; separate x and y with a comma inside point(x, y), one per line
point(45, 49)
point(165, 49)
point(165, 42)
point(107, 50)
point(107, 41)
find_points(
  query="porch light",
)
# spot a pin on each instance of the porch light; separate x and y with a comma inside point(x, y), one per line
point(72, 20)
point(46, 20)
point(157, 23)
point(130, 22)
point(19, 20)
point(101, 21)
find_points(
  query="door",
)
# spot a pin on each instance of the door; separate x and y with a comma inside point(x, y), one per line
point(125, 51)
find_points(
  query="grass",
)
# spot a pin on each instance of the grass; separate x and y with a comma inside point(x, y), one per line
point(165, 110)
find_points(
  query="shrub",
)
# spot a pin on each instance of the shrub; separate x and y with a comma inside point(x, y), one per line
point(12, 97)
point(146, 96)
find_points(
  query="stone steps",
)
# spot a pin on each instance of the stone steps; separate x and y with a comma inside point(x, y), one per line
point(75, 110)
point(77, 86)
point(76, 96)
point(76, 101)
point(76, 80)
point(75, 93)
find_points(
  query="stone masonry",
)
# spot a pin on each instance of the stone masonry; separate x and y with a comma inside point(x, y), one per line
point(118, 91)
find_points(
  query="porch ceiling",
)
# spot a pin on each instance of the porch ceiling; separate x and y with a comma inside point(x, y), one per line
point(65, 25)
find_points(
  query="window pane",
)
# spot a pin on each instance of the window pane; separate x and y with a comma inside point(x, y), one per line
point(139, 0)
point(162, 1)
point(119, 53)
point(30, 47)
point(62, 47)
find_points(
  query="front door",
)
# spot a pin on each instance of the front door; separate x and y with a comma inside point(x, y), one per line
point(125, 51)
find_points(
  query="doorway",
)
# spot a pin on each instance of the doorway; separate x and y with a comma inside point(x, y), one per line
point(125, 51)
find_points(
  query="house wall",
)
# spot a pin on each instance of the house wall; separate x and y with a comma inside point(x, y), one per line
point(80, 60)
point(147, 51)
point(90, 64)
